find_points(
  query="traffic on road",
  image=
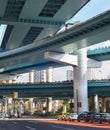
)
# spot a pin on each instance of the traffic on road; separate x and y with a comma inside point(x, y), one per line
point(66, 121)
point(86, 116)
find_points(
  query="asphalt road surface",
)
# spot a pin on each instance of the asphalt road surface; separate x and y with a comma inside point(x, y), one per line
point(39, 125)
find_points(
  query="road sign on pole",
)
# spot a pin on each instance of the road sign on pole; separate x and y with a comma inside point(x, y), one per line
point(15, 95)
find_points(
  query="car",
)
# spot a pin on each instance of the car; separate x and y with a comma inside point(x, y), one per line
point(105, 117)
point(100, 117)
point(67, 117)
point(86, 116)
point(73, 116)
point(96, 117)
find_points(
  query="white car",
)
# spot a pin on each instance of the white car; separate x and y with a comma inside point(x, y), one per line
point(71, 117)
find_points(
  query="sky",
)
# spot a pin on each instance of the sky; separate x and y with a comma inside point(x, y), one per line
point(91, 9)
point(2, 31)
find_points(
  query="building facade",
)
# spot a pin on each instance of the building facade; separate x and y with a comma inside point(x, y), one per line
point(43, 76)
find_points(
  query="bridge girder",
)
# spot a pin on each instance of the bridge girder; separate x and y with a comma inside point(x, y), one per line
point(88, 33)
point(55, 90)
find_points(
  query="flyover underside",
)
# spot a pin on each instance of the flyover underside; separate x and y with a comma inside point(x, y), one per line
point(58, 94)
point(43, 64)
point(35, 19)
point(88, 33)
point(100, 54)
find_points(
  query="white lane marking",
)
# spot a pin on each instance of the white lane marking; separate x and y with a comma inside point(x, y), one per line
point(30, 128)
point(34, 122)
point(14, 122)
point(62, 127)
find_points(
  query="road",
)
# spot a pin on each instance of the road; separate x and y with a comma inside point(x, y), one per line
point(39, 125)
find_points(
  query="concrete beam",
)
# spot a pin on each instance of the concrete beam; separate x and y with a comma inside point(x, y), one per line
point(33, 22)
point(70, 59)
point(61, 58)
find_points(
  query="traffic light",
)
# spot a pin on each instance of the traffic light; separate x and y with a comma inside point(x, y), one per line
point(71, 105)
point(79, 104)
point(1, 97)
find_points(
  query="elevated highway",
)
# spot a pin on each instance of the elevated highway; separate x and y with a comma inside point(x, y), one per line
point(100, 54)
point(28, 21)
point(30, 57)
point(32, 30)
point(54, 90)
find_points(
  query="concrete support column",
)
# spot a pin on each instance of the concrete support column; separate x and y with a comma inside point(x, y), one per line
point(92, 106)
point(79, 62)
point(65, 101)
point(6, 104)
point(64, 108)
point(96, 101)
point(31, 105)
point(21, 109)
point(55, 106)
point(103, 105)
point(80, 82)
point(49, 104)
point(10, 103)
point(30, 77)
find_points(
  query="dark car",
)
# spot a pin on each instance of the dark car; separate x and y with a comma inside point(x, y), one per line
point(100, 117)
point(105, 117)
point(86, 116)
point(96, 117)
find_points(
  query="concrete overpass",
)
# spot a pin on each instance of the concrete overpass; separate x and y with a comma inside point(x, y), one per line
point(55, 90)
point(18, 52)
point(100, 54)
point(31, 31)
point(31, 56)
point(33, 20)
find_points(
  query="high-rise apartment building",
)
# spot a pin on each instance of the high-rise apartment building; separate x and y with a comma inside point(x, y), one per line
point(43, 75)
point(92, 74)
point(39, 76)
point(69, 74)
